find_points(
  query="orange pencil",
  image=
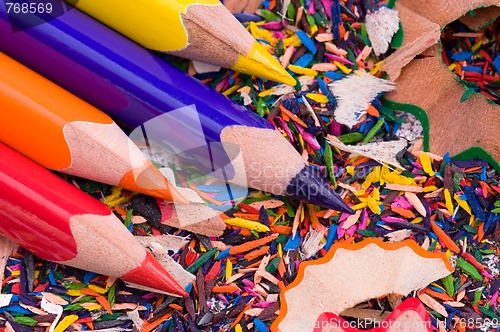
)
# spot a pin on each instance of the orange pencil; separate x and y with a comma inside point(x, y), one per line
point(63, 133)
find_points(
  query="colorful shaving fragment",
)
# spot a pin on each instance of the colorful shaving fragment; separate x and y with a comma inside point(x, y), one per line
point(473, 56)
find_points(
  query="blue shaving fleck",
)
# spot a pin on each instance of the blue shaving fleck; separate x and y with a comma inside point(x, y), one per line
point(376, 102)
point(436, 289)
point(334, 75)
point(16, 308)
point(447, 158)
point(260, 326)
point(472, 69)
point(332, 235)
point(308, 42)
point(462, 56)
point(336, 18)
point(304, 60)
point(386, 127)
point(51, 277)
point(482, 176)
point(87, 278)
point(293, 242)
point(432, 235)
point(491, 219)
point(263, 41)
point(474, 202)
point(396, 127)
point(496, 63)
point(242, 17)
point(222, 255)
point(323, 87)
point(189, 288)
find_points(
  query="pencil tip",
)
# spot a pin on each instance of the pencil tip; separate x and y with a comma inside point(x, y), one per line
point(310, 187)
point(261, 64)
point(149, 180)
point(153, 275)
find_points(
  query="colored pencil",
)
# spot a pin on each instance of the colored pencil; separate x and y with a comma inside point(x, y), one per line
point(57, 222)
point(99, 65)
point(202, 30)
point(62, 132)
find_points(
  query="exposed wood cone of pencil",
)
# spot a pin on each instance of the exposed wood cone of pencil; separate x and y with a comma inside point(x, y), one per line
point(63, 133)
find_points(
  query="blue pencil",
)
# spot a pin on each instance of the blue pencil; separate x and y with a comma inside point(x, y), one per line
point(140, 90)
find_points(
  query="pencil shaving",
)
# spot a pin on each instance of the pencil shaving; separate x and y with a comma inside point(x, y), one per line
point(384, 152)
point(422, 22)
point(354, 95)
point(381, 26)
point(398, 268)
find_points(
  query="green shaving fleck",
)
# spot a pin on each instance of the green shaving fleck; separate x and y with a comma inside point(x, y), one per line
point(467, 93)
point(448, 285)
point(373, 131)
point(329, 164)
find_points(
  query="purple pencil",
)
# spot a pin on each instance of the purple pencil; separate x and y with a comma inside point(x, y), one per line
point(138, 89)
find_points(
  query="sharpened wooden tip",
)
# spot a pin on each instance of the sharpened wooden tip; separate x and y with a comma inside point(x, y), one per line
point(149, 180)
point(152, 274)
point(259, 62)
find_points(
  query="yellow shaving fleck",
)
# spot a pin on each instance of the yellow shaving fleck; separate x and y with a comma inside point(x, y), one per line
point(343, 68)
point(376, 68)
point(373, 205)
point(231, 90)
point(417, 220)
point(448, 201)
point(229, 269)
point(303, 71)
point(393, 177)
point(426, 164)
point(477, 45)
point(463, 204)
point(429, 189)
point(74, 292)
point(267, 92)
point(293, 40)
point(98, 289)
point(317, 97)
point(115, 198)
point(359, 206)
point(314, 29)
point(262, 34)
point(65, 323)
point(247, 224)
point(93, 307)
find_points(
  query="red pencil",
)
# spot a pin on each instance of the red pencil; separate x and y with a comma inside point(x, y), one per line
point(57, 222)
